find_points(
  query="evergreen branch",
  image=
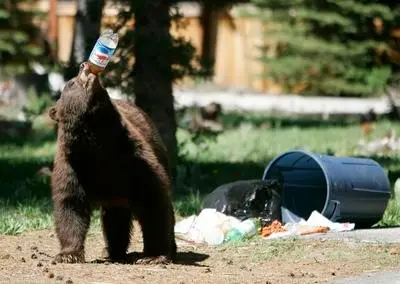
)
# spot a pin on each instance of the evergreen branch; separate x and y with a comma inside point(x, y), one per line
point(4, 14)
point(323, 18)
point(367, 10)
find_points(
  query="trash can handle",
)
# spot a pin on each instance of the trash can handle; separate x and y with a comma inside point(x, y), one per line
point(335, 211)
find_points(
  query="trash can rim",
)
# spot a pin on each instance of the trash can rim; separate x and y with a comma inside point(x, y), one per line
point(316, 159)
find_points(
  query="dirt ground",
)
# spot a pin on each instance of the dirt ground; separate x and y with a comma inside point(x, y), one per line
point(27, 258)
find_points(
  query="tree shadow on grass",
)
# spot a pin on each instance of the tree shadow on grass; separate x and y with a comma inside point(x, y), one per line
point(20, 182)
point(305, 121)
point(33, 137)
point(233, 119)
point(200, 178)
point(21, 168)
point(20, 179)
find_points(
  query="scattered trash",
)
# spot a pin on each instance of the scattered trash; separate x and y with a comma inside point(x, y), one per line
point(289, 217)
point(368, 122)
point(295, 225)
point(275, 227)
point(386, 144)
point(214, 228)
point(308, 230)
point(245, 229)
point(316, 219)
point(246, 199)
point(207, 120)
point(243, 209)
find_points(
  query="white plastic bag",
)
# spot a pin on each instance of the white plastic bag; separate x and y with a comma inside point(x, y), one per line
point(211, 227)
point(317, 219)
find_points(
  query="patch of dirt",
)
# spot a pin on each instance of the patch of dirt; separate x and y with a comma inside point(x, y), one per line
point(28, 258)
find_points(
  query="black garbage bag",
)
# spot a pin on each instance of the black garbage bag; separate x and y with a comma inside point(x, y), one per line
point(248, 199)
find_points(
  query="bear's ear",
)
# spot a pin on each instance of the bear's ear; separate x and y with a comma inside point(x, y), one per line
point(53, 113)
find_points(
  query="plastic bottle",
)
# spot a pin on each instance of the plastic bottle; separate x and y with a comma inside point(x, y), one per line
point(245, 229)
point(233, 235)
point(102, 51)
point(248, 227)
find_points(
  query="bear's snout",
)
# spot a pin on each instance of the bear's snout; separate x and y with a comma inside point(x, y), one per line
point(86, 78)
point(84, 73)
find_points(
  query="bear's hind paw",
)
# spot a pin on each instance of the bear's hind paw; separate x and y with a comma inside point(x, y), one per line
point(154, 260)
point(72, 257)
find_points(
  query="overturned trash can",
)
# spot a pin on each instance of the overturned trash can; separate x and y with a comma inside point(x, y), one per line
point(343, 189)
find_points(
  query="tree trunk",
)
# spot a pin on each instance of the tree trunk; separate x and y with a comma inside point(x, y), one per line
point(209, 23)
point(86, 32)
point(152, 71)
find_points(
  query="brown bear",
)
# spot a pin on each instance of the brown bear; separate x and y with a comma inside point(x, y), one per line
point(109, 154)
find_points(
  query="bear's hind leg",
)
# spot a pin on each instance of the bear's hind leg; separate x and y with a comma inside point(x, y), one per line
point(157, 224)
point(117, 226)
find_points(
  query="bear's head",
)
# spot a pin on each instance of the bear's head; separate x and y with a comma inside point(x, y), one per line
point(80, 99)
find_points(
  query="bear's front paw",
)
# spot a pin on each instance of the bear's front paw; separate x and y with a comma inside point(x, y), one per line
point(70, 257)
point(154, 260)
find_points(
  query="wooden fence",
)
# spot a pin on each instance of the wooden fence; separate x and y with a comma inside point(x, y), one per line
point(236, 45)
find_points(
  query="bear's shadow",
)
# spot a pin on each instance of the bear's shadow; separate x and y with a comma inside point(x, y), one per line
point(182, 258)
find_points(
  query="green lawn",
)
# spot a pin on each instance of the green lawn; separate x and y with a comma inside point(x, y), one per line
point(241, 152)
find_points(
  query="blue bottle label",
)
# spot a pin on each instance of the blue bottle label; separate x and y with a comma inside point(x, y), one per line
point(101, 54)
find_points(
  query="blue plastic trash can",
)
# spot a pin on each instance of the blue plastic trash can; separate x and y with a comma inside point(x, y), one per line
point(343, 189)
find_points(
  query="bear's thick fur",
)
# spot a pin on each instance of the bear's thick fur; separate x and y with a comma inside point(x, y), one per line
point(109, 154)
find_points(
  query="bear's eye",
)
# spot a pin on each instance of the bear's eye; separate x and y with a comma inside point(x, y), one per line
point(71, 84)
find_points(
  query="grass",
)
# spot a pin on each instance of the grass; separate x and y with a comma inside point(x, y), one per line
point(287, 250)
point(242, 151)
point(391, 217)
point(18, 217)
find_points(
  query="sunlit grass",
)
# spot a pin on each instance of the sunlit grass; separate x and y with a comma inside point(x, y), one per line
point(242, 151)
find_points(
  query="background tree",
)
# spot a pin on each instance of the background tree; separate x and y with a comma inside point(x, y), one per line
point(86, 32)
point(153, 67)
point(148, 60)
point(21, 41)
point(329, 47)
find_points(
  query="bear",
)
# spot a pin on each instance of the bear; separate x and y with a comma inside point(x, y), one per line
point(109, 154)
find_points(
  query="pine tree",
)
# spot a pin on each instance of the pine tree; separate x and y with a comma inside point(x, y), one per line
point(329, 47)
point(86, 32)
point(21, 42)
point(149, 59)
point(181, 52)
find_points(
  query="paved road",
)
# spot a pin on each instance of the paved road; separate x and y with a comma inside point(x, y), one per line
point(387, 235)
point(388, 277)
point(237, 100)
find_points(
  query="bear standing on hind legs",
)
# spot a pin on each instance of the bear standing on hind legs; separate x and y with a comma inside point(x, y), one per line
point(109, 154)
